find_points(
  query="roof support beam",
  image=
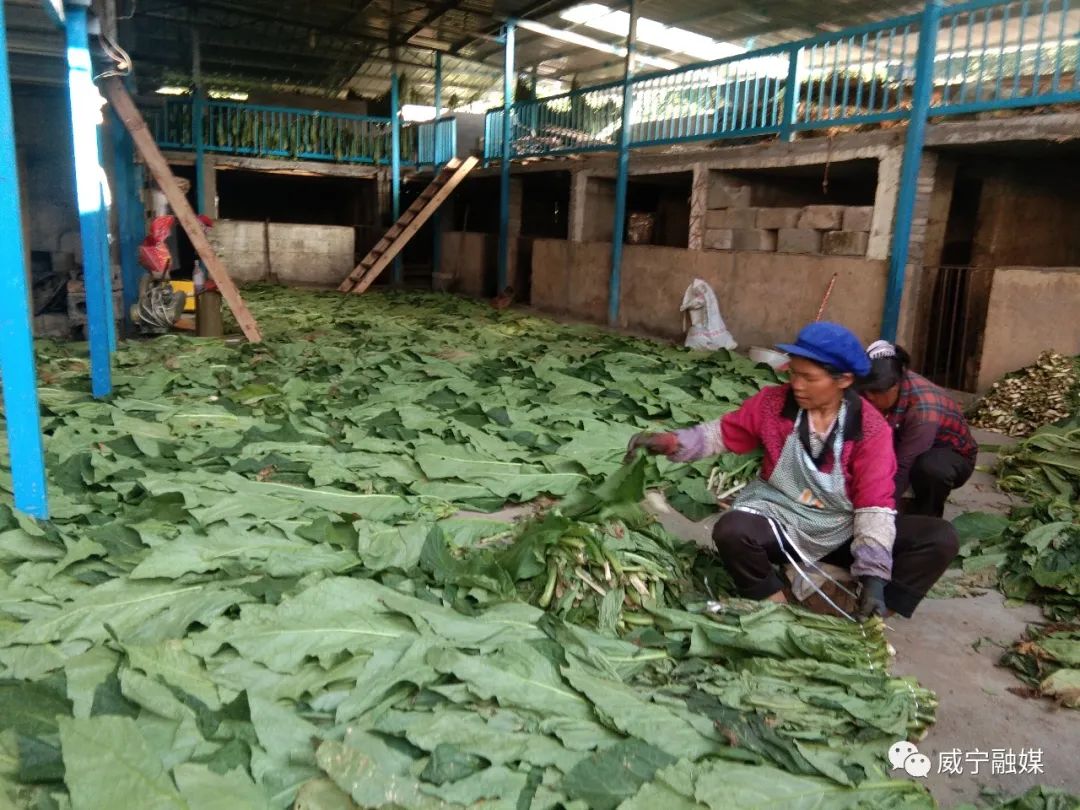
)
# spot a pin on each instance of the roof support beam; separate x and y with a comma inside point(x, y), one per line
point(432, 15)
point(538, 9)
point(575, 38)
point(55, 10)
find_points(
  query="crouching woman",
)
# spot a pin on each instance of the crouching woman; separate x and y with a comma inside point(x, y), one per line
point(826, 490)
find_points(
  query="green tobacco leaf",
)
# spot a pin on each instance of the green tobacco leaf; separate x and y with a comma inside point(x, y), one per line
point(722, 785)
point(380, 546)
point(32, 709)
point(373, 773)
point(333, 617)
point(979, 526)
point(448, 763)
point(257, 552)
point(136, 611)
point(170, 663)
point(204, 789)
point(495, 787)
point(323, 794)
point(516, 676)
point(502, 740)
point(608, 777)
point(109, 764)
point(633, 713)
point(400, 662)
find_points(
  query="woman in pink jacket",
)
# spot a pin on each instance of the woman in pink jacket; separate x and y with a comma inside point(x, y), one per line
point(826, 491)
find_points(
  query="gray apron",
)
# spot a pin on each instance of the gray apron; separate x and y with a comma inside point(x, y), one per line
point(810, 507)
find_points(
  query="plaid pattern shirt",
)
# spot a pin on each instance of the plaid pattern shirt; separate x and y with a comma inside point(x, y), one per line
point(922, 403)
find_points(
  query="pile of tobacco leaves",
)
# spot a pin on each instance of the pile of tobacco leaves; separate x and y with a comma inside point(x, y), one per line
point(1036, 554)
point(273, 578)
point(1041, 394)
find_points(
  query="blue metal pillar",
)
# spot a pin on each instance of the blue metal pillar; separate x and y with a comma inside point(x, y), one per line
point(395, 165)
point(507, 151)
point(909, 169)
point(622, 174)
point(130, 218)
point(17, 347)
point(85, 111)
point(436, 219)
point(198, 116)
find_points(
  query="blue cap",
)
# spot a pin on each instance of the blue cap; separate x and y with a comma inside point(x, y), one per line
point(832, 344)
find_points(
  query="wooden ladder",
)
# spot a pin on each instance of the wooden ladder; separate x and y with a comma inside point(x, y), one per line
point(395, 239)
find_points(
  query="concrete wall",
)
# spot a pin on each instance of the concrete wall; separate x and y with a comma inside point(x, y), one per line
point(764, 297)
point(470, 264)
point(467, 259)
point(298, 254)
point(1029, 215)
point(1031, 309)
point(599, 210)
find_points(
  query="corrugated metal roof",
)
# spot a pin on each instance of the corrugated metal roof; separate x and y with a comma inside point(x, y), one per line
point(346, 47)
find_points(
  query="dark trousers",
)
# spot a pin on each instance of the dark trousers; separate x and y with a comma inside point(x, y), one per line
point(935, 474)
point(923, 549)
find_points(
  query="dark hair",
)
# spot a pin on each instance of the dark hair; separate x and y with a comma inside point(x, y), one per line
point(885, 372)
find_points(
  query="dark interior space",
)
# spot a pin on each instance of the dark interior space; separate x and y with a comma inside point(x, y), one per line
point(1010, 206)
point(545, 205)
point(306, 200)
point(258, 196)
point(852, 182)
point(545, 208)
point(963, 218)
point(418, 253)
point(664, 200)
point(185, 251)
point(476, 205)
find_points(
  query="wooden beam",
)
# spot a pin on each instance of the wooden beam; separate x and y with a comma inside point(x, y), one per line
point(128, 113)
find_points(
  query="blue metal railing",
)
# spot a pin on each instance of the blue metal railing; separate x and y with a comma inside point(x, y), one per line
point(989, 54)
point(994, 55)
point(236, 128)
point(436, 143)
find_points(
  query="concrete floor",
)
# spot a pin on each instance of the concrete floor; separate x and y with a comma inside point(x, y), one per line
point(977, 712)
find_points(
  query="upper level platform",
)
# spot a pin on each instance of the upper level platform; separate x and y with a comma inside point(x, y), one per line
point(979, 55)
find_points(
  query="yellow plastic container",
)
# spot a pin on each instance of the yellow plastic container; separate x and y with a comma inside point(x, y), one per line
point(187, 287)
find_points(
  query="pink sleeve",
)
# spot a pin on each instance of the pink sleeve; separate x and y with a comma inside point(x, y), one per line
point(873, 470)
point(736, 432)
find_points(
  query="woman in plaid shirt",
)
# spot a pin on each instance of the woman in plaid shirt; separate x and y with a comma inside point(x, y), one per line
point(935, 452)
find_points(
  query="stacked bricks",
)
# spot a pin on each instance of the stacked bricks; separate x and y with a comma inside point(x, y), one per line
point(731, 223)
point(832, 230)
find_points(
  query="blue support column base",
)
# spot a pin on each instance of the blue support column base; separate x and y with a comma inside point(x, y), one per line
point(503, 279)
point(622, 177)
point(85, 113)
point(21, 408)
point(436, 219)
point(398, 275)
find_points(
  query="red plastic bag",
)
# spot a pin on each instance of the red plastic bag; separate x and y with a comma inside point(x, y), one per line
point(153, 252)
point(160, 229)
